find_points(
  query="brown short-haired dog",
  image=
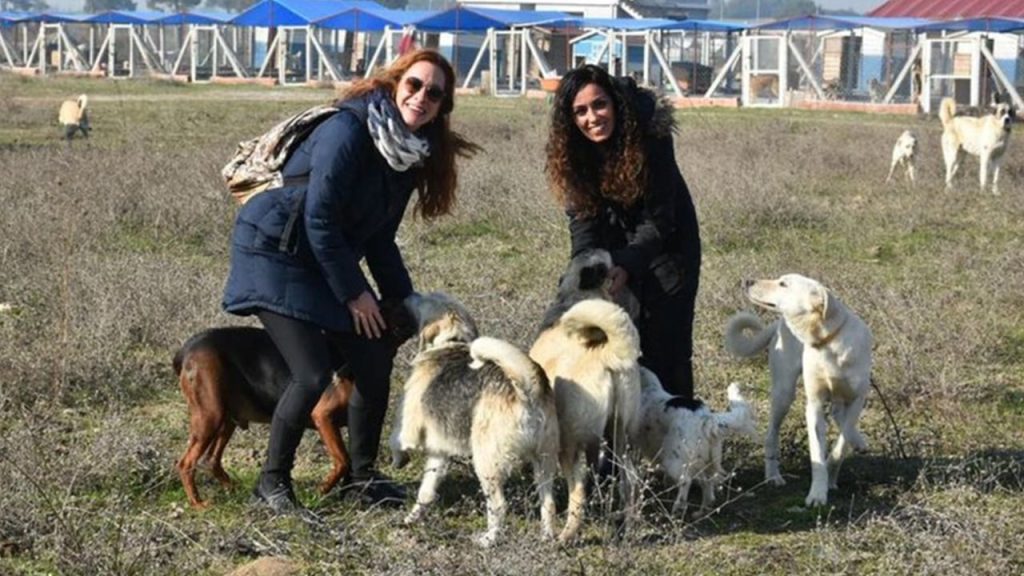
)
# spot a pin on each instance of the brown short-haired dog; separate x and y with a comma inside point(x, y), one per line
point(235, 375)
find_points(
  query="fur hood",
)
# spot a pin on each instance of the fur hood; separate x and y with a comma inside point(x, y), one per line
point(654, 112)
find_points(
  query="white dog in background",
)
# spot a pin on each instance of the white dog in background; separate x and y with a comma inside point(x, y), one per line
point(73, 117)
point(823, 340)
point(904, 154)
point(986, 137)
point(684, 438)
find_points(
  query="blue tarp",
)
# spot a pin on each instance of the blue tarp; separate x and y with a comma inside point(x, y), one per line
point(296, 12)
point(704, 26)
point(841, 23)
point(366, 20)
point(11, 17)
point(627, 24)
point(55, 17)
point(195, 17)
point(463, 19)
point(992, 24)
point(125, 17)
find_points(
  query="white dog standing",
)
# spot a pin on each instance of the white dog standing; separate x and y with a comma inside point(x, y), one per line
point(822, 339)
point(904, 154)
point(73, 117)
point(685, 438)
point(986, 137)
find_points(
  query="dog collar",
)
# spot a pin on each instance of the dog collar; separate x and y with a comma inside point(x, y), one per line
point(830, 337)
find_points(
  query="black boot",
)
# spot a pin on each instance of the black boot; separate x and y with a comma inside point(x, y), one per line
point(365, 423)
point(278, 496)
point(274, 487)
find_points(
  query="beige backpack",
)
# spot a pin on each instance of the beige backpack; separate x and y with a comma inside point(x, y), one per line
point(256, 165)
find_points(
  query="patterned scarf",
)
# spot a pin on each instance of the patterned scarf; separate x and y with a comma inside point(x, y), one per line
point(400, 147)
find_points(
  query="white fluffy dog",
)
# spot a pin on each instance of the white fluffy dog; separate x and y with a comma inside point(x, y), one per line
point(73, 117)
point(904, 154)
point(475, 397)
point(590, 355)
point(823, 340)
point(684, 438)
point(986, 137)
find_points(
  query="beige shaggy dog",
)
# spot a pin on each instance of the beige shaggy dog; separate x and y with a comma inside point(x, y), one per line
point(685, 439)
point(590, 355)
point(475, 397)
point(904, 154)
point(821, 339)
point(73, 117)
point(986, 137)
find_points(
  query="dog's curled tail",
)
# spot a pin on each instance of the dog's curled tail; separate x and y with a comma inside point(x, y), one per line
point(740, 417)
point(83, 101)
point(947, 110)
point(738, 343)
point(604, 326)
point(526, 375)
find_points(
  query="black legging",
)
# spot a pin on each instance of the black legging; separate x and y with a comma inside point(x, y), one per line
point(307, 349)
point(666, 336)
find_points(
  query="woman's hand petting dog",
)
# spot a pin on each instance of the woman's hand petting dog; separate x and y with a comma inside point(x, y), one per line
point(366, 317)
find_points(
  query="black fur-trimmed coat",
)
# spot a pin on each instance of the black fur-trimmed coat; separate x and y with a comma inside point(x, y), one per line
point(656, 240)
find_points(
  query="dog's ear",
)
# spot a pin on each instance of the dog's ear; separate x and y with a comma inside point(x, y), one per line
point(821, 301)
point(429, 333)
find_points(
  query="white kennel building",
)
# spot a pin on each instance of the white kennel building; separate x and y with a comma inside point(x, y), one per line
point(970, 59)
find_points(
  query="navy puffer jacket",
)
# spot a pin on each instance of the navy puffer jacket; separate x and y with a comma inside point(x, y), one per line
point(349, 209)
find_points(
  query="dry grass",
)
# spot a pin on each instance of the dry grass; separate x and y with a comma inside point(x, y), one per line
point(113, 251)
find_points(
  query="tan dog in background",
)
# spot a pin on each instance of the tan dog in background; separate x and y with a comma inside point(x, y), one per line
point(74, 118)
point(986, 137)
point(904, 153)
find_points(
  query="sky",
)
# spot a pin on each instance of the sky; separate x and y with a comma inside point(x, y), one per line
point(858, 5)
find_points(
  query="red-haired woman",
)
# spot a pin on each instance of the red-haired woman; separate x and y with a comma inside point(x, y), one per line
point(295, 255)
point(611, 163)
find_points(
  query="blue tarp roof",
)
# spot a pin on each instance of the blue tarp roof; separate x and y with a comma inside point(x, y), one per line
point(704, 26)
point(992, 24)
point(195, 17)
point(464, 19)
point(12, 16)
point(125, 17)
point(296, 12)
point(55, 17)
point(627, 23)
point(841, 23)
point(371, 20)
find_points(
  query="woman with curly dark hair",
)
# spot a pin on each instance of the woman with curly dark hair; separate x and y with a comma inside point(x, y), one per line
point(611, 164)
point(296, 252)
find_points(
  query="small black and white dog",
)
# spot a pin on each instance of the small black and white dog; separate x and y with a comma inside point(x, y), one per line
point(684, 438)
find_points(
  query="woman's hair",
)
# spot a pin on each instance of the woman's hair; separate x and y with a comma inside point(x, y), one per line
point(438, 178)
point(581, 172)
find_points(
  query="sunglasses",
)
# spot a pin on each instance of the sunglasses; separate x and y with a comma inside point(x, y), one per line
point(434, 93)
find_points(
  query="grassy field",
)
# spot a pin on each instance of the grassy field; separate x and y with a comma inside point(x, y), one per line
point(114, 250)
